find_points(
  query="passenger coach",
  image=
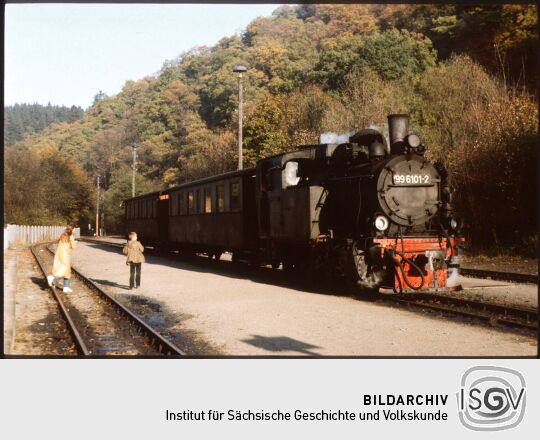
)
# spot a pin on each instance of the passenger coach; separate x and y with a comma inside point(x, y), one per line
point(210, 215)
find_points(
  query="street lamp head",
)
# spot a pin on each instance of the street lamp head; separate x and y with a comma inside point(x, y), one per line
point(134, 145)
point(239, 69)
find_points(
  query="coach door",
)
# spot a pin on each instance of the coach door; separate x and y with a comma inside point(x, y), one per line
point(163, 218)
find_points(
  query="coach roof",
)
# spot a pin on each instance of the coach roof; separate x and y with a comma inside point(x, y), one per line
point(228, 175)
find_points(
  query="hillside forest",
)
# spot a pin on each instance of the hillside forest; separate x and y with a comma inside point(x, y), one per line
point(466, 74)
point(23, 119)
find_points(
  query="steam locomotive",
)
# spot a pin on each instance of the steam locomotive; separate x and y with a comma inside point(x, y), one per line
point(373, 215)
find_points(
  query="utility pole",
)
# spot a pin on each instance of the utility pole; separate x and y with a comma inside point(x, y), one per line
point(97, 208)
point(134, 146)
point(240, 70)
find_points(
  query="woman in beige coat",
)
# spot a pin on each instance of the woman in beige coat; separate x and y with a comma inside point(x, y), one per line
point(62, 260)
point(134, 251)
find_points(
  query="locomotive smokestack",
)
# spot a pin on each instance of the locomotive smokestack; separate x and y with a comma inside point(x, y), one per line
point(398, 129)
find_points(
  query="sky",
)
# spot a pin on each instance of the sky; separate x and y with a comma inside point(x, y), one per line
point(66, 53)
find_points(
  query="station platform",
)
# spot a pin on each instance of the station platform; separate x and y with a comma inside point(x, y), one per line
point(480, 289)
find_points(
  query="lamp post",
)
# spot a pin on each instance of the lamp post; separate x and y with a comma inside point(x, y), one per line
point(134, 146)
point(240, 70)
point(97, 208)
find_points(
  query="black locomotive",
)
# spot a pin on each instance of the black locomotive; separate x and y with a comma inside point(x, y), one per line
point(371, 214)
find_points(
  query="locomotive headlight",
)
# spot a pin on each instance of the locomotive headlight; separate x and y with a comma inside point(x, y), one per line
point(381, 223)
point(453, 224)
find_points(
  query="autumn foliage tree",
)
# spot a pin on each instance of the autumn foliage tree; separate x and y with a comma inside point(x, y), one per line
point(467, 75)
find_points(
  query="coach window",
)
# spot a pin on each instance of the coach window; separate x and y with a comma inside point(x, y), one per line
point(207, 200)
point(235, 196)
point(191, 203)
point(220, 191)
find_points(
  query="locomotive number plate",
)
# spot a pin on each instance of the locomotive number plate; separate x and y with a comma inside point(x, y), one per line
point(412, 179)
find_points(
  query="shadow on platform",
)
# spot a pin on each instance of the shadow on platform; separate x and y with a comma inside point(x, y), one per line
point(281, 343)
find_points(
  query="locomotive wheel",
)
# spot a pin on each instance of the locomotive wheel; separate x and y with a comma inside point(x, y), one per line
point(217, 255)
point(360, 274)
point(275, 265)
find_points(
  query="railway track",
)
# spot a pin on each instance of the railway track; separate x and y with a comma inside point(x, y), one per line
point(98, 323)
point(507, 316)
point(503, 276)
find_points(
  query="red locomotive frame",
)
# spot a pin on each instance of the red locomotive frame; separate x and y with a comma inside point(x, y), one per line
point(413, 248)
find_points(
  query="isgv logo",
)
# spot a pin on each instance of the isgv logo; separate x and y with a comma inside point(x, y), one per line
point(491, 398)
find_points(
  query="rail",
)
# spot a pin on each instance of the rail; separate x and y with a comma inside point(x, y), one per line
point(156, 340)
point(508, 316)
point(503, 276)
point(81, 347)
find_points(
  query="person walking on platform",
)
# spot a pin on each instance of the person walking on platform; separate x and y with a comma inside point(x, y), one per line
point(134, 251)
point(62, 260)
